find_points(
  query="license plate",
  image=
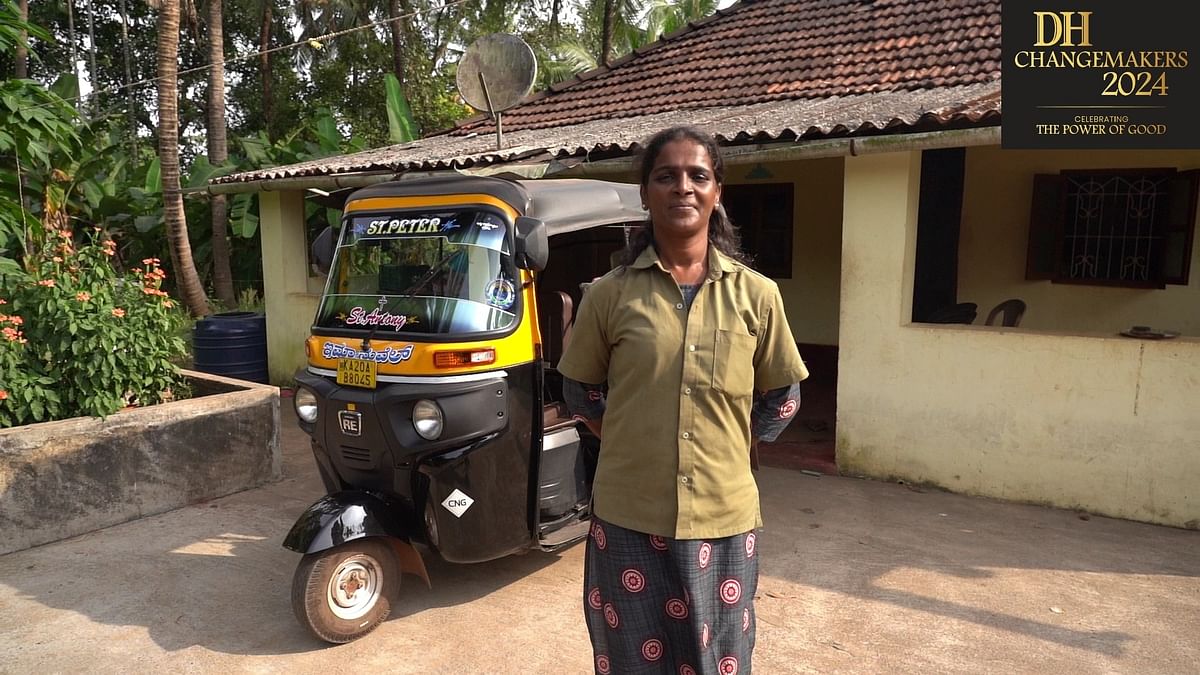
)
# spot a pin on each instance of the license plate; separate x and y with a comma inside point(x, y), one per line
point(356, 373)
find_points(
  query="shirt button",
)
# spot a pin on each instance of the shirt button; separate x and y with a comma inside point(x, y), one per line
point(679, 305)
point(687, 391)
point(683, 479)
point(686, 435)
point(691, 348)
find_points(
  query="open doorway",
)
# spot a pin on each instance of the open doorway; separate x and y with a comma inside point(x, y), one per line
point(789, 217)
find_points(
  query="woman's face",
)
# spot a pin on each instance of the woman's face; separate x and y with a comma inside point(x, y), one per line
point(682, 190)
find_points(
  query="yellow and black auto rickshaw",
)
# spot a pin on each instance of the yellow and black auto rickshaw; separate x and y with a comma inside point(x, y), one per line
point(431, 393)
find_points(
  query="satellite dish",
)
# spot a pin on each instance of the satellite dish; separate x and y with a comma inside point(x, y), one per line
point(496, 72)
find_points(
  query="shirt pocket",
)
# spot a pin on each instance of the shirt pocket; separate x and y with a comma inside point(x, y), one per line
point(733, 363)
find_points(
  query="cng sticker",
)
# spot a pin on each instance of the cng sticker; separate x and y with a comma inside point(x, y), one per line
point(458, 503)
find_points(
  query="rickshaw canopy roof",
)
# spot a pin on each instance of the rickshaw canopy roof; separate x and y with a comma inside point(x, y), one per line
point(563, 204)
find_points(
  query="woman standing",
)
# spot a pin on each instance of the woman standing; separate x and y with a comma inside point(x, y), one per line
point(681, 356)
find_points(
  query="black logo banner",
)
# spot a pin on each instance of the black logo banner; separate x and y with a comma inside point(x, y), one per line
point(1100, 74)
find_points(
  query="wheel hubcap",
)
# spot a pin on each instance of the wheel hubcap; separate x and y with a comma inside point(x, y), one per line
point(355, 587)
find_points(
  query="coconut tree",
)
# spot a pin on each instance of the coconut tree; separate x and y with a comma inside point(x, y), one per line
point(186, 277)
point(21, 55)
point(264, 60)
point(218, 152)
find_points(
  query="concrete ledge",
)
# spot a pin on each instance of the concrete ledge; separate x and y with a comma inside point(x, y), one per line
point(60, 479)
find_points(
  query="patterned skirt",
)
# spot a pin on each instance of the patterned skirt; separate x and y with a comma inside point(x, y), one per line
point(660, 605)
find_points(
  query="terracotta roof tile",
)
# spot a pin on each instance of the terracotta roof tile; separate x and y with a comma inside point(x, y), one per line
point(761, 70)
point(763, 50)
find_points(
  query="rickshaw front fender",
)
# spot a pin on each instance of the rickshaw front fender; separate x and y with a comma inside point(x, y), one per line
point(355, 514)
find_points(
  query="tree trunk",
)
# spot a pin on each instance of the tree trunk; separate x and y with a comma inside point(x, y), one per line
point(73, 40)
point(131, 101)
point(21, 55)
point(168, 156)
point(264, 64)
point(606, 32)
point(397, 28)
point(94, 73)
point(218, 152)
point(555, 10)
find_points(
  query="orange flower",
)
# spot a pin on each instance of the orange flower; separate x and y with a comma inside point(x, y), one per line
point(57, 258)
point(3, 394)
point(16, 320)
point(83, 296)
point(48, 283)
point(118, 312)
point(168, 303)
point(3, 301)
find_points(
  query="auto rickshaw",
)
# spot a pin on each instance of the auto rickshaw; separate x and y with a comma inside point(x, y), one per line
point(430, 390)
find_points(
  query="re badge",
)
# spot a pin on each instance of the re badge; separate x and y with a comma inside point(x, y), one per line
point(458, 503)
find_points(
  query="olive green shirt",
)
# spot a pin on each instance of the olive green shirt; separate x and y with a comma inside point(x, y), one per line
point(675, 451)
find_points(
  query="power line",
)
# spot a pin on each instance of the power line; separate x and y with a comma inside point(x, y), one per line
point(316, 42)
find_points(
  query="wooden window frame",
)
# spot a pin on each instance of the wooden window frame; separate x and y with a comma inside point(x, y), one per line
point(747, 206)
point(1049, 215)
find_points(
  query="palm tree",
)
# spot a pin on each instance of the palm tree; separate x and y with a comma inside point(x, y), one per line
point(168, 157)
point(264, 63)
point(626, 25)
point(218, 152)
point(21, 55)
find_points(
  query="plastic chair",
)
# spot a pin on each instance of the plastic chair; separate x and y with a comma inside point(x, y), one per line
point(1012, 309)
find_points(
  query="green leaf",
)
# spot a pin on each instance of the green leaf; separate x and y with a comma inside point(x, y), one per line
point(145, 224)
point(401, 127)
point(200, 172)
point(327, 132)
point(66, 87)
point(154, 177)
point(242, 221)
point(92, 193)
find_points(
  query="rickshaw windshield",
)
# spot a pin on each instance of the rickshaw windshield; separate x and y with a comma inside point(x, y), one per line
point(444, 272)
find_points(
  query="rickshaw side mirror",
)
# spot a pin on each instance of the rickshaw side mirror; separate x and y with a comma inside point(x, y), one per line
point(532, 244)
point(322, 250)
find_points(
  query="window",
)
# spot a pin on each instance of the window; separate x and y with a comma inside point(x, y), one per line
point(1113, 228)
point(763, 215)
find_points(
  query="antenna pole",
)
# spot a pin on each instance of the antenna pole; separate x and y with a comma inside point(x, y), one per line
point(492, 111)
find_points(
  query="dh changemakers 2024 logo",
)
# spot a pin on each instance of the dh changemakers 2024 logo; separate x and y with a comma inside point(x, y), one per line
point(1114, 74)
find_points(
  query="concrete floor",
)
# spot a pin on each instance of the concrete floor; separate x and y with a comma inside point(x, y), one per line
point(857, 577)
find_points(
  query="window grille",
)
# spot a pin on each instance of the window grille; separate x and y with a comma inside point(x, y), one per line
point(1113, 231)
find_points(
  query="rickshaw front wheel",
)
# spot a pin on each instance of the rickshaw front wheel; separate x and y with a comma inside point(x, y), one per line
point(343, 593)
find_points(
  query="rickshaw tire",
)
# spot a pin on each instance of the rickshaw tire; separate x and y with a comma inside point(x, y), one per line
point(311, 601)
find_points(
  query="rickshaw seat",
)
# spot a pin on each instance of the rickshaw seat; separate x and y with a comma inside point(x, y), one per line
point(555, 314)
point(555, 416)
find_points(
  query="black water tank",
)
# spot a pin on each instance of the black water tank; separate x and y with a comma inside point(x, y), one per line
point(232, 344)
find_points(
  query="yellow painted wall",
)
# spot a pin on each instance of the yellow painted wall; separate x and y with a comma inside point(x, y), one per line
point(289, 295)
point(811, 296)
point(1102, 423)
point(995, 224)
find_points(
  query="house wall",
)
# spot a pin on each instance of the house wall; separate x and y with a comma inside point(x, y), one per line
point(289, 295)
point(995, 225)
point(1105, 424)
point(811, 296)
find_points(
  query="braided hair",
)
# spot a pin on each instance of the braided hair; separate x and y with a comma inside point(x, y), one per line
point(722, 233)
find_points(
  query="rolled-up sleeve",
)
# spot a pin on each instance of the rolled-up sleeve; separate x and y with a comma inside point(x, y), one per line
point(585, 401)
point(773, 411)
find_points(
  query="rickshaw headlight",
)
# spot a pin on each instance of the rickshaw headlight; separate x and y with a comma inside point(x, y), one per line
point(306, 405)
point(427, 419)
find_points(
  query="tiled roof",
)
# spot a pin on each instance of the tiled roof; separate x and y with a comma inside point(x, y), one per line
point(774, 50)
point(762, 70)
